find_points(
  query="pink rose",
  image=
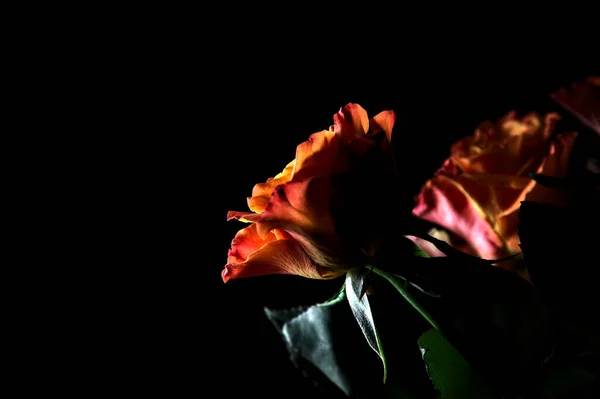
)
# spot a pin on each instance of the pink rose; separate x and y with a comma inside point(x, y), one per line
point(475, 195)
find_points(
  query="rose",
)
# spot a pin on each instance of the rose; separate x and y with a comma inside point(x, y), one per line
point(474, 196)
point(326, 207)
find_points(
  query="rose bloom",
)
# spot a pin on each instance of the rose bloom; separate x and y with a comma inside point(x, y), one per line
point(474, 197)
point(327, 208)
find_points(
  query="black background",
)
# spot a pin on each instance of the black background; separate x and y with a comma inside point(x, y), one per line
point(200, 137)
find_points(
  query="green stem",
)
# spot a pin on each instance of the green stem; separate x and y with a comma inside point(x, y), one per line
point(402, 289)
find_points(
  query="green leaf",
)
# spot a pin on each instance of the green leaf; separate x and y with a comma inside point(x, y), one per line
point(361, 309)
point(337, 298)
point(402, 286)
point(492, 317)
point(326, 344)
point(307, 333)
point(450, 373)
point(282, 316)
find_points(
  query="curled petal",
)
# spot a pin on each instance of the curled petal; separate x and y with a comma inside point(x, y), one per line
point(513, 146)
point(301, 208)
point(446, 203)
point(384, 121)
point(318, 156)
point(246, 242)
point(351, 122)
point(247, 217)
point(250, 255)
point(301, 204)
point(261, 193)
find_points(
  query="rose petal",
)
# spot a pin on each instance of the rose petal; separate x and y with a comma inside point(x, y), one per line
point(261, 193)
point(384, 121)
point(351, 122)
point(512, 147)
point(446, 203)
point(245, 242)
point(247, 217)
point(301, 206)
point(315, 157)
point(508, 228)
point(496, 195)
point(250, 256)
point(318, 156)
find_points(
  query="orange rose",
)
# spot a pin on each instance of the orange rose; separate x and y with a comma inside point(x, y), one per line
point(474, 196)
point(299, 216)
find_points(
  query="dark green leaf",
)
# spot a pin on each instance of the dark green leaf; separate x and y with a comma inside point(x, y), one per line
point(492, 317)
point(362, 311)
point(325, 342)
point(450, 373)
point(416, 300)
point(282, 316)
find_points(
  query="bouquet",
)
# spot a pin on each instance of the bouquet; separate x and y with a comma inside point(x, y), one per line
point(478, 287)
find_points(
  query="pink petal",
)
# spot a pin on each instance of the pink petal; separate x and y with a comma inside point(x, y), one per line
point(444, 202)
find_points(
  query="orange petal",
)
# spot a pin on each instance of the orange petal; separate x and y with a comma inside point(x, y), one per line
point(351, 122)
point(497, 195)
point(513, 146)
point(444, 202)
point(245, 242)
point(247, 217)
point(317, 156)
point(302, 209)
point(251, 256)
point(507, 228)
point(384, 121)
point(301, 206)
point(261, 193)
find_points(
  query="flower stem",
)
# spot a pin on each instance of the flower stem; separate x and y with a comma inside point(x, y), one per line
point(407, 295)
